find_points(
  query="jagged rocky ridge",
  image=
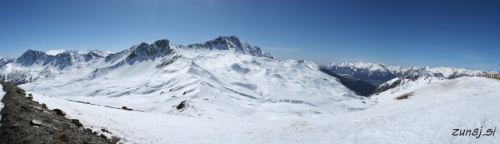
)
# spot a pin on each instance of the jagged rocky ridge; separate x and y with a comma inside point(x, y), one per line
point(231, 43)
point(35, 65)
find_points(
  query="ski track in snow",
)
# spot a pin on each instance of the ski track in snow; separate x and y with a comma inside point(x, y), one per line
point(429, 116)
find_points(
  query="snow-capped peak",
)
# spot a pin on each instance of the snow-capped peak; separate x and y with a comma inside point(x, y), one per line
point(361, 65)
point(144, 51)
point(78, 52)
point(55, 52)
point(447, 72)
point(6, 58)
point(231, 43)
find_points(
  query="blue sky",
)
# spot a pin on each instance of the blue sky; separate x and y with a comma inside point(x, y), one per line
point(455, 33)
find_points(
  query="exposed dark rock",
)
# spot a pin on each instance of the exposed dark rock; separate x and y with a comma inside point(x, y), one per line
point(126, 108)
point(115, 139)
point(44, 106)
point(88, 130)
point(23, 122)
point(103, 136)
point(166, 63)
point(77, 122)
point(182, 105)
point(106, 131)
point(61, 136)
point(21, 92)
point(59, 112)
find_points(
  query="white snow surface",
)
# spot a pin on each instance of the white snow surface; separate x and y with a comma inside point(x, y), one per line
point(429, 116)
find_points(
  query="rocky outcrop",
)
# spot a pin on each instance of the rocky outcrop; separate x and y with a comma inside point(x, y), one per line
point(27, 121)
point(59, 112)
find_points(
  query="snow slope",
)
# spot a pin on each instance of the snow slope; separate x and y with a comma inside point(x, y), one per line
point(429, 116)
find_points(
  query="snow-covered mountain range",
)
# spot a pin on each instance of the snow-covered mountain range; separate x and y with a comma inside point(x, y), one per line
point(223, 75)
point(33, 65)
point(377, 73)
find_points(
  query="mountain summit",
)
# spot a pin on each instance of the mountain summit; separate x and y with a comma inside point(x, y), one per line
point(231, 43)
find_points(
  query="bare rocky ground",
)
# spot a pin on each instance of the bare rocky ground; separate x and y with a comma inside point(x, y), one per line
point(27, 121)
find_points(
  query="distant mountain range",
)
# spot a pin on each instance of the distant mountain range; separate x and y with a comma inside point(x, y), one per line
point(224, 75)
point(34, 65)
point(377, 73)
point(252, 70)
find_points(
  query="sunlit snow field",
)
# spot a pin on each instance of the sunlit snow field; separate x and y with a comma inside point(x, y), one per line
point(429, 116)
